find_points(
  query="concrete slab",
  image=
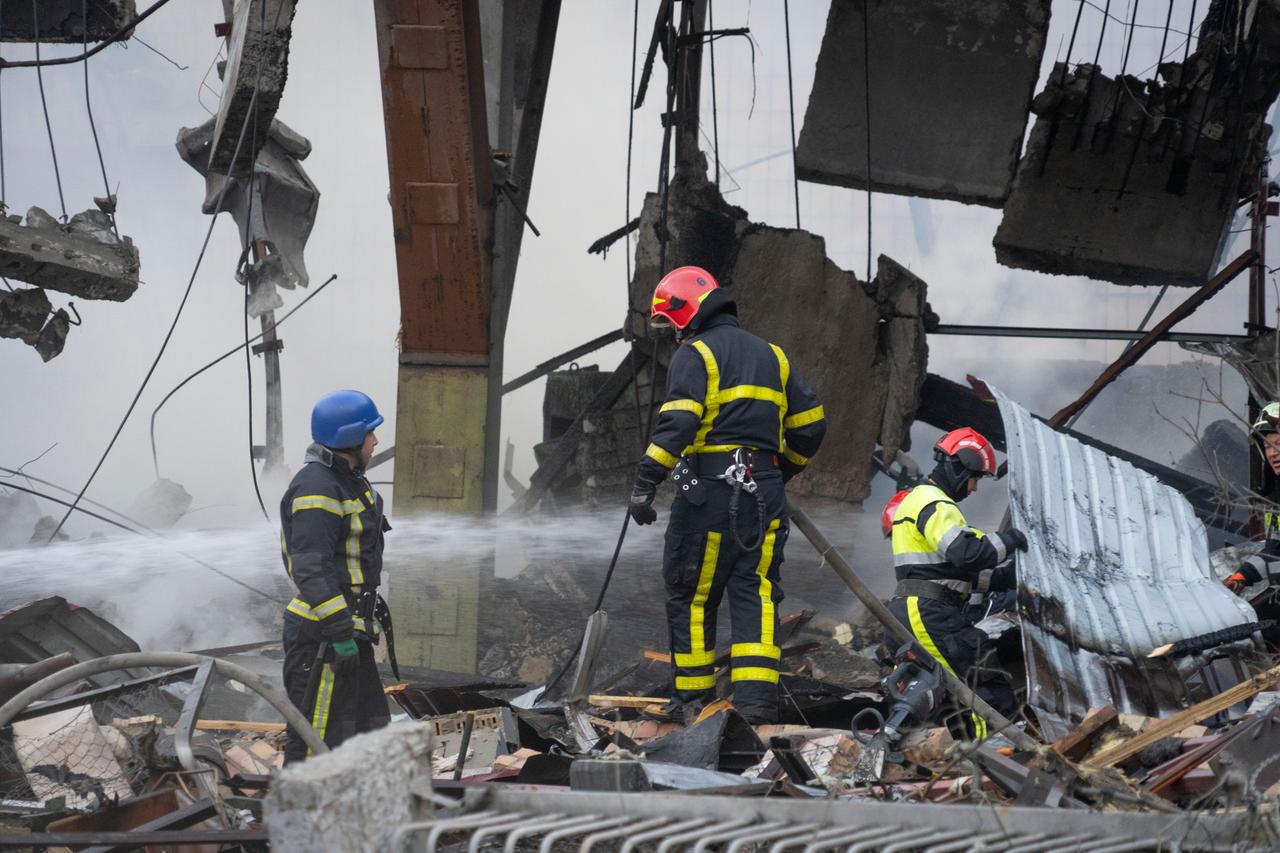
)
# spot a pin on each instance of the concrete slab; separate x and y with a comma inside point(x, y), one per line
point(63, 20)
point(83, 258)
point(353, 798)
point(1131, 181)
point(951, 82)
point(258, 56)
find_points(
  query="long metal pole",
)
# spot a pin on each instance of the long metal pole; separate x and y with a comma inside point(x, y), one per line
point(899, 631)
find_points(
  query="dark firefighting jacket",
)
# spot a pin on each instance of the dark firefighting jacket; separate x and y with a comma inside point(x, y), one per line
point(331, 537)
point(727, 388)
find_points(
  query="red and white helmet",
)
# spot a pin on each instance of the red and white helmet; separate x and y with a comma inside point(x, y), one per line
point(890, 510)
point(679, 295)
point(970, 448)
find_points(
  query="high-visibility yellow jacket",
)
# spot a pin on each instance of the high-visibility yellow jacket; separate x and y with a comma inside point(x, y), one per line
point(932, 541)
point(727, 388)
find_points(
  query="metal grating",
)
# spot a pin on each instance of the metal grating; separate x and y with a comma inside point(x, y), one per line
point(545, 821)
point(1118, 565)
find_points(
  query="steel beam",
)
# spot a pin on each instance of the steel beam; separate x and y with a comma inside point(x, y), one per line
point(1082, 334)
point(1131, 355)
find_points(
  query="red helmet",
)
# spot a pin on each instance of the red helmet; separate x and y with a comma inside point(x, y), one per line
point(678, 296)
point(890, 510)
point(973, 451)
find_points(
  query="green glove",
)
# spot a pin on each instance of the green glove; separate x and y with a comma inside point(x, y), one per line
point(345, 648)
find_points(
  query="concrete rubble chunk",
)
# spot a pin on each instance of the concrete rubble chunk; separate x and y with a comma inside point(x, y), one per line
point(354, 798)
point(258, 58)
point(83, 258)
point(951, 82)
point(283, 206)
point(1136, 181)
point(27, 315)
point(65, 20)
point(161, 504)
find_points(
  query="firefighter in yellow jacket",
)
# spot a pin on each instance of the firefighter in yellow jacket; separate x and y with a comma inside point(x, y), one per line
point(738, 422)
point(939, 559)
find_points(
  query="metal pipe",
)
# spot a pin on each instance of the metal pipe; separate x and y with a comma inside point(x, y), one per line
point(467, 725)
point(899, 631)
point(133, 660)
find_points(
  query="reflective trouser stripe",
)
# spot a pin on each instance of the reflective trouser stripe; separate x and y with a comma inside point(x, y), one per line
point(695, 682)
point(765, 585)
point(704, 658)
point(697, 608)
point(922, 635)
point(755, 673)
point(324, 699)
point(759, 650)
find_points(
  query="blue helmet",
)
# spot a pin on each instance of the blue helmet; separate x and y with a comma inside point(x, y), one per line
point(343, 418)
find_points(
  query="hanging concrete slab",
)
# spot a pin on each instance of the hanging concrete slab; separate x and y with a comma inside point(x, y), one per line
point(83, 257)
point(950, 85)
point(1118, 565)
point(65, 20)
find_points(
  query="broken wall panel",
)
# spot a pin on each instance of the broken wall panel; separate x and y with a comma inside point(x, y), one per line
point(951, 83)
point(84, 258)
point(64, 20)
point(1117, 565)
point(1136, 182)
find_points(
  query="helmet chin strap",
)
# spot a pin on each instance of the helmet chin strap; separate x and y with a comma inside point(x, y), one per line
point(952, 477)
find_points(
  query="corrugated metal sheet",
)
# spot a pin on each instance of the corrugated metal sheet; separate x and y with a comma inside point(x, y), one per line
point(1118, 565)
point(51, 626)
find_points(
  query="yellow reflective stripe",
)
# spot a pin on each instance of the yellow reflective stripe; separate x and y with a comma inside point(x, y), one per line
point(354, 569)
point(713, 448)
point(808, 416)
point(324, 697)
point(697, 608)
point(682, 406)
point(712, 401)
point(302, 609)
point(922, 635)
point(662, 457)
point(766, 586)
point(755, 673)
point(784, 373)
point(792, 456)
point(695, 682)
point(703, 658)
point(756, 650)
point(752, 392)
point(315, 502)
point(330, 607)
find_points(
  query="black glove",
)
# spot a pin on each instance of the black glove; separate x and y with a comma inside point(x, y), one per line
point(1014, 540)
point(789, 469)
point(641, 509)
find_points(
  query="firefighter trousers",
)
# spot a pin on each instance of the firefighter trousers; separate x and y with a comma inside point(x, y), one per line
point(943, 631)
point(702, 561)
point(337, 707)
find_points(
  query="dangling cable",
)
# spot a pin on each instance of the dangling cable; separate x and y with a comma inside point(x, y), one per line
point(715, 116)
point(4, 196)
point(866, 100)
point(57, 174)
point(88, 108)
point(791, 99)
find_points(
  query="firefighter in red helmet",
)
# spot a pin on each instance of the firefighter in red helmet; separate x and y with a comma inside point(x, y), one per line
point(890, 511)
point(738, 422)
point(939, 559)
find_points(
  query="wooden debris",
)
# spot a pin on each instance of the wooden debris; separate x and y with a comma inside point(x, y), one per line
point(597, 700)
point(515, 760)
point(1179, 721)
point(238, 726)
point(1077, 743)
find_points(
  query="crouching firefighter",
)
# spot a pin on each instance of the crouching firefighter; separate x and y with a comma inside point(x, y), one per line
point(1265, 565)
point(331, 538)
point(738, 422)
point(939, 559)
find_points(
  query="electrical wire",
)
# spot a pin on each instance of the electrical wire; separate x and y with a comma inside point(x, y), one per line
point(44, 105)
point(715, 112)
point(866, 79)
point(226, 355)
point(248, 247)
point(88, 107)
point(31, 478)
point(3, 193)
point(100, 46)
point(791, 101)
point(213, 220)
point(74, 508)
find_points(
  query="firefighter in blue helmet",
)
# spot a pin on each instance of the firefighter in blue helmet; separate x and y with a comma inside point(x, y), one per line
point(738, 421)
point(332, 525)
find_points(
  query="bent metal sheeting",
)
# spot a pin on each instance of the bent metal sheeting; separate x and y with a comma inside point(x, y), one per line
point(1118, 564)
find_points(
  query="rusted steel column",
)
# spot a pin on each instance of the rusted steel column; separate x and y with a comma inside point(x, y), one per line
point(441, 199)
